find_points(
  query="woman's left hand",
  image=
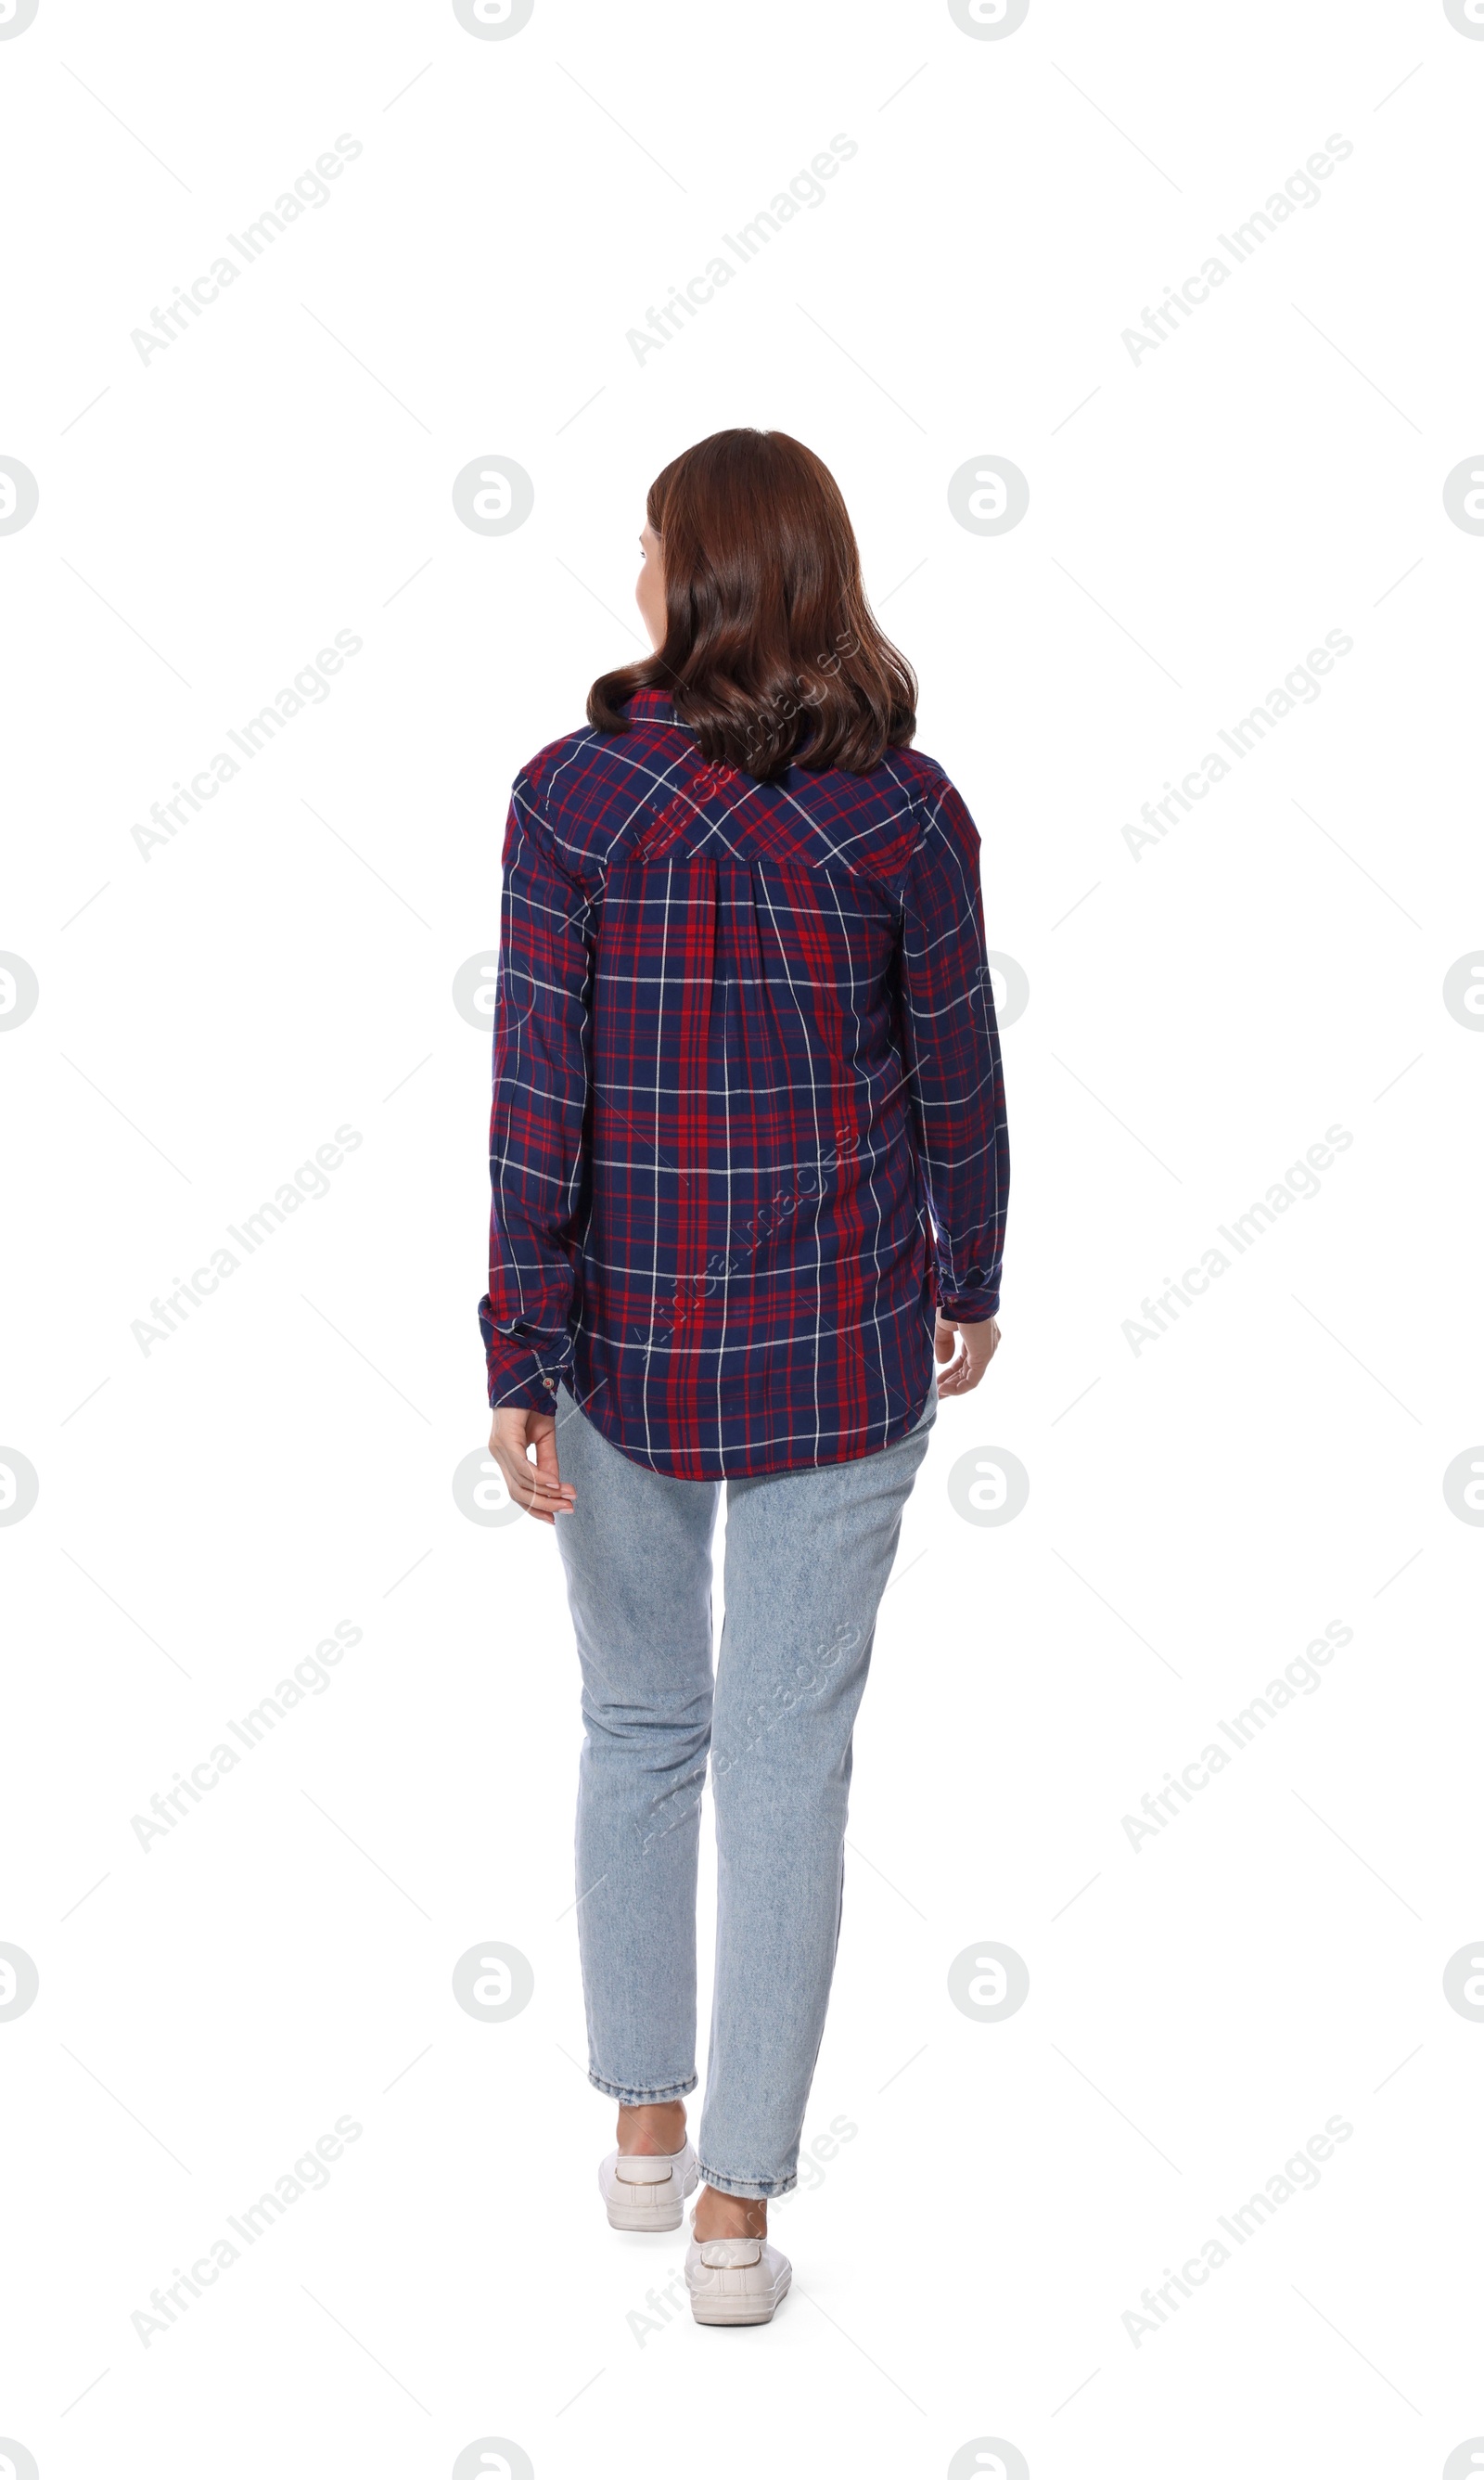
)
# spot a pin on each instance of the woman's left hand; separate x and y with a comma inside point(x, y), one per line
point(539, 1486)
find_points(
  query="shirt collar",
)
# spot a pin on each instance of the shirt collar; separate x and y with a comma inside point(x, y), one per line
point(652, 706)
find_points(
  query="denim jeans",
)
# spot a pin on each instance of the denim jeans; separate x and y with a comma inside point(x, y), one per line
point(809, 1554)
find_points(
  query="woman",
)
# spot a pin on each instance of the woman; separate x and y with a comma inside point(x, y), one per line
point(748, 1138)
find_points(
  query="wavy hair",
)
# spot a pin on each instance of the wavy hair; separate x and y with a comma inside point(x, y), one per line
point(771, 651)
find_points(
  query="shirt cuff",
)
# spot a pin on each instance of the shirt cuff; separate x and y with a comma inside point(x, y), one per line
point(518, 1370)
point(968, 1309)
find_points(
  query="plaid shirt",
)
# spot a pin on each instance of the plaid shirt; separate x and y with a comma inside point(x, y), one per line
point(749, 1121)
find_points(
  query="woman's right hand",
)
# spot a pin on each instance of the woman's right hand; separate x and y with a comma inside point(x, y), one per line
point(966, 1351)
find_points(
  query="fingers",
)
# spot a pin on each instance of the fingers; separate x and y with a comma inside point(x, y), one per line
point(977, 1345)
point(951, 1378)
point(536, 1488)
point(541, 1494)
point(550, 1489)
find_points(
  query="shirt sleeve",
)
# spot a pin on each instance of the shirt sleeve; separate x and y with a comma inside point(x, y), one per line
point(537, 1121)
point(953, 1057)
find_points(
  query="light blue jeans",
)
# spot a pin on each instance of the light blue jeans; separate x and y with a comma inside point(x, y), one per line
point(809, 1554)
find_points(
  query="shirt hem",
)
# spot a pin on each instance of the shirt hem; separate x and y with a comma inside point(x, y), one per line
point(719, 1464)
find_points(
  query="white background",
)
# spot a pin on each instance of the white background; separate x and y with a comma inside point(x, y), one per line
point(1198, 1017)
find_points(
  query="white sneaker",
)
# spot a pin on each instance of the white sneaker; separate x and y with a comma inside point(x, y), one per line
point(646, 2191)
point(735, 2281)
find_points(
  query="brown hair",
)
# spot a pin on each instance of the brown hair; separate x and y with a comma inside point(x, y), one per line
point(771, 652)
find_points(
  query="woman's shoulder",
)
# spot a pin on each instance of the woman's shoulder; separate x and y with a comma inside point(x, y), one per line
point(581, 794)
point(935, 792)
point(589, 752)
point(915, 767)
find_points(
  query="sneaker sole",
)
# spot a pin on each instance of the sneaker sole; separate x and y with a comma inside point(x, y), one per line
point(757, 2310)
point(626, 2213)
point(634, 2217)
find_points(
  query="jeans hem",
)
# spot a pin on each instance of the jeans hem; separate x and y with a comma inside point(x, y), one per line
point(635, 2096)
point(762, 2190)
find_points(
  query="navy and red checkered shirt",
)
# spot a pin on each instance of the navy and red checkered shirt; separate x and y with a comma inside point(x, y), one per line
point(749, 1120)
